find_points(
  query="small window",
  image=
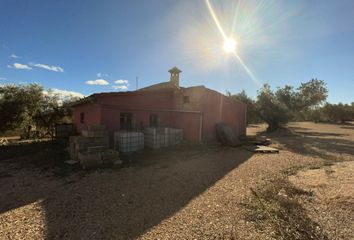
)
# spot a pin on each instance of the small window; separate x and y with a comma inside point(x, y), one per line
point(126, 121)
point(82, 117)
point(186, 99)
point(154, 120)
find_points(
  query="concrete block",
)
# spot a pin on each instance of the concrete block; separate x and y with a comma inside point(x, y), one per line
point(88, 161)
point(109, 154)
point(95, 149)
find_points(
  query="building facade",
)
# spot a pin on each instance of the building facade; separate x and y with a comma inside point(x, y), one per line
point(196, 110)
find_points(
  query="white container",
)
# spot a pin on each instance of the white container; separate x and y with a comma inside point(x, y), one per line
point(128, 141)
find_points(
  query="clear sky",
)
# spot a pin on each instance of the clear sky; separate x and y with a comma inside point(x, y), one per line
point(79, 45)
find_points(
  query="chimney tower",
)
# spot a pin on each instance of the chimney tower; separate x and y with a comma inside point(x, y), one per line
point(175, 75)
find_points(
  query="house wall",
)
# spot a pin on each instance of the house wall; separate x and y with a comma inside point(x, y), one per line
point(213, 106)
point(92, 115)
point(216, 108)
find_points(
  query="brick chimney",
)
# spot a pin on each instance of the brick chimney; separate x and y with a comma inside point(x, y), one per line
point(175, 75)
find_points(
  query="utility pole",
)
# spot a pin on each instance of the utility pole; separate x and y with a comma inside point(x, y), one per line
point(137, 83)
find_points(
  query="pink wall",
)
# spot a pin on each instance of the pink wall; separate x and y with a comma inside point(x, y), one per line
point(92, 115)
point(215, 108)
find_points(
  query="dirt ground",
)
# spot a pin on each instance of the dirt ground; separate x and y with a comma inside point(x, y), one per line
point(189, 192)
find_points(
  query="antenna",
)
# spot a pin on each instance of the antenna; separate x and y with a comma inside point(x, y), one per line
point(137, 83)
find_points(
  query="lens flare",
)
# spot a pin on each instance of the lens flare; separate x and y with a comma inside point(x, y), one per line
point(230, 44)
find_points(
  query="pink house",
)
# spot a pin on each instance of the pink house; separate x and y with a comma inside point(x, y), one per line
point(196, 110)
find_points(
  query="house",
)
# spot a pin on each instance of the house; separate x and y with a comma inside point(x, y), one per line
point(196, 110)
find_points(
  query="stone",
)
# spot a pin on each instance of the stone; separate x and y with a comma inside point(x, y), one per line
point(226, 136)
point(88, 161)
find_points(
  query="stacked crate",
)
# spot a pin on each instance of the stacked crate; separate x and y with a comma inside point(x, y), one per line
point(126, 142)
point(91, 148)
point(162, 137)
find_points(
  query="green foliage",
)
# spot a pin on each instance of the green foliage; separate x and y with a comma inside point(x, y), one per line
point(271, 108)
point(29, 108)
point(279, 107)
point(338, 112)
point(252, 116)
point(18, 105)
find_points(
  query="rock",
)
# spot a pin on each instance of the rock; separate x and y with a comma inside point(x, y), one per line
point(226, 136)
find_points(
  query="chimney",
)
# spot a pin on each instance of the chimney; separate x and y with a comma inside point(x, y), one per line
point(175, 75)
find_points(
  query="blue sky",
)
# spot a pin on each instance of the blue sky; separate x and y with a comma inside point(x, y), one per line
point(80, 45)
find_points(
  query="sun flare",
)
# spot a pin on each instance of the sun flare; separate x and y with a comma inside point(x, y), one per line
point(230, 45)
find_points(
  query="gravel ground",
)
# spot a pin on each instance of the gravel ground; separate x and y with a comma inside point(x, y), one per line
point(333, 201)
point(184, 193)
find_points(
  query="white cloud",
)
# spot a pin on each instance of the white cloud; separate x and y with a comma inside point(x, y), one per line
point(14, 56)
point(101, 75)
point(97, 82)
point(3, 78)
point(48, 67)
point(121, 81)
point(63, 93)
point(19, 66)
point(120, 87)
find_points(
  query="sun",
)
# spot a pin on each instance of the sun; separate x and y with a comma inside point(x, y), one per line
point(230, 45)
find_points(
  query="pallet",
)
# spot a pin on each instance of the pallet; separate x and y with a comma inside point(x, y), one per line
point(265, 149)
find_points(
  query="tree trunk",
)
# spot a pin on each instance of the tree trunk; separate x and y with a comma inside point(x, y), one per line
point(272, 126)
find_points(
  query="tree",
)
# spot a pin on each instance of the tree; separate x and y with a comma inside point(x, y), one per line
point(29, 108)
point(52, 111)
point(279, 107)
point(252, 116)
point(338, 112)
point(271, 109)
point(18, 105)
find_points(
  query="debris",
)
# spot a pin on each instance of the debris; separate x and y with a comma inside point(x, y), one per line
point(265, 149)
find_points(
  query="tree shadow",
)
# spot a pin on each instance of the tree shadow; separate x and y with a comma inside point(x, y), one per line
point(314, 143)
point(124, 203)
point(321, 134)
point(351, 128)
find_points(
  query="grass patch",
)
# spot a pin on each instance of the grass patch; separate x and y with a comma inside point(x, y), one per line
point(275, 208)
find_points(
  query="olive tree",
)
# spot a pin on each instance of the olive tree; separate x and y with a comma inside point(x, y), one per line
point(279, 107)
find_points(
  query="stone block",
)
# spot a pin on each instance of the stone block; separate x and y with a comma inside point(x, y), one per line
point(109, 154)
point(95, 149)
point(88, 161)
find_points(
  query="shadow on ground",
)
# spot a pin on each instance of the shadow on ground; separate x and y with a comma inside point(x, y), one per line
point(319, 144)
point(124, 203)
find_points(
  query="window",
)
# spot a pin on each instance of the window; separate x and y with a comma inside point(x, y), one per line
point(186, 99)
point(126, 121)
point(82, 117)
point(154, 120)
